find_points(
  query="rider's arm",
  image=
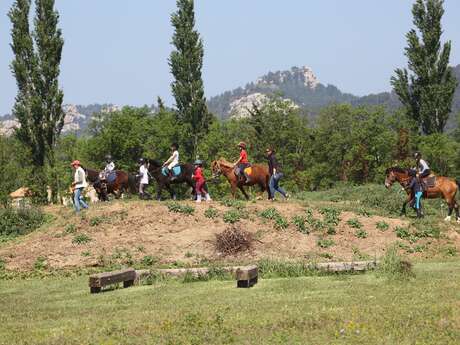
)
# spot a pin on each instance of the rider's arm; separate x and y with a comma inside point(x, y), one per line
point(238, 161)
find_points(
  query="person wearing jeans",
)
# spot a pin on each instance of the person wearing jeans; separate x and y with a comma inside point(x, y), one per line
point(275, 175)
point(79, 184)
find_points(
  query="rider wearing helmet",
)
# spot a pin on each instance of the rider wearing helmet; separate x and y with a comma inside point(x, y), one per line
point(172, 161)
point(242, 163)
point(422, 168)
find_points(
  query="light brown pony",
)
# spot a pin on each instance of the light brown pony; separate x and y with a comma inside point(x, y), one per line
point(259, 176)
point(444, 187)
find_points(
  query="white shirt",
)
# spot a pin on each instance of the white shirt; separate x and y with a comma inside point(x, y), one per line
point(110, 167)
point(80, 178)
point(422, 166)
point(174, 160)
point(144, 172)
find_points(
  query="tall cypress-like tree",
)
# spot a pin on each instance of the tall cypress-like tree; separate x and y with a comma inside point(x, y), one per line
point(428, 91)
point(38, 105)
point(186, 62)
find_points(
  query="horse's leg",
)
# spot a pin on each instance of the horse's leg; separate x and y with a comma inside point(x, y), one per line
point(159, 190)
point(451, 204)
point(240, 186)
point(171, 191)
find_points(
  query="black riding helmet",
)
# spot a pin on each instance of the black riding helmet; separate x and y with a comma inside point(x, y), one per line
point(108, 158)
point(141, 161)
point(417, 155)
point(175, 146)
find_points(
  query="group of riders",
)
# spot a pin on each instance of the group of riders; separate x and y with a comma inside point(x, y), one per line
point(241, 167)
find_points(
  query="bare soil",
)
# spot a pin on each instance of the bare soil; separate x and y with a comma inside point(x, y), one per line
point(132, 230)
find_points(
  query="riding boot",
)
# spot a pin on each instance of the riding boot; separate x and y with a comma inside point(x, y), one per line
point(208, 197)
point(419, 213)
point(198, 198)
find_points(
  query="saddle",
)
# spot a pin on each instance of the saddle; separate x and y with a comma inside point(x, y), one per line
point(175, 171)
point(429, 181)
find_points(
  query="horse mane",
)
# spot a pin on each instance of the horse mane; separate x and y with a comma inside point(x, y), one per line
point(155, 163)
point(397, 169)
point(225, 163)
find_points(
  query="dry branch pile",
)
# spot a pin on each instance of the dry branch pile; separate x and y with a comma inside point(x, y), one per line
point(233, 240)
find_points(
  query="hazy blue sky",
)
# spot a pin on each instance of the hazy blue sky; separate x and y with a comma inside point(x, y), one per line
point(116, 50)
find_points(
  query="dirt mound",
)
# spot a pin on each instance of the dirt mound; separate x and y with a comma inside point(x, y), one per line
point(151, 232)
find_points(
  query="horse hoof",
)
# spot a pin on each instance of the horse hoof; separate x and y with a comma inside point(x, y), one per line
point(448, 219)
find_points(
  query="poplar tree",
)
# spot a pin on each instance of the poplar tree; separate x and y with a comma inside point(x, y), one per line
point(186, 62)
point(38, 105)
point(427, 90)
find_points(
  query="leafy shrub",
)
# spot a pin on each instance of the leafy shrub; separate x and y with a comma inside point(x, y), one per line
point(98, 220)
point(178, 208)
point(238, 204)
point(233, 240)
point(70, 229)
point(211, 213)
point(361, 233)
point(281, 223)
point(40, 263)
point(331, 215)
point(426, 228)
point(382, 226)
point(301, 224)
point(355, 223)
point(15, 222)
point(270, 213)
point(402, 232)
point(232, 216)
point(394, 267)
point(325, 243)
point(81, 239)
point(149, 260)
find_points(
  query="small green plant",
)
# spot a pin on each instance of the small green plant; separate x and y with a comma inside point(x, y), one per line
point(331, 215)
point(419, 248)
point(326, 255)
point(394, 267)
point(325, 243)
point(97, 220)
point(451, 251)
point(364, 212)
point(140, 248)
point(70, 229)
point(178, 208)
point(2, 264)
point(382, 226)
point(358, 255)
point(211, 213)
point(301, 224)
point(361, 233)
point(238, 204)
point(232, 216)
point(270, 213)
point(81, 239)
point(355, 223)
point(149, 260)
point(40, 263)
point(402, 232)
point(281, 223)
point(331, 230)
point(86, 253)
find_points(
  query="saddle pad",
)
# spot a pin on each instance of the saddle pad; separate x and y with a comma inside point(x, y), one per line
point(176, 171)
point(248, 171)
point(111, 177)
point(430, 181)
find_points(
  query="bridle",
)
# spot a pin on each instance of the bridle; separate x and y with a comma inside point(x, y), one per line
point(218, 173)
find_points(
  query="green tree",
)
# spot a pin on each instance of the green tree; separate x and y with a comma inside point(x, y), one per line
point(38, 105)
point(186, 62)
point(427, 92)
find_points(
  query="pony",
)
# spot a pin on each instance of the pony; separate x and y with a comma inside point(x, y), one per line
point(185, 176)
point(123, 182)
point(444, 187)
point(259, 176)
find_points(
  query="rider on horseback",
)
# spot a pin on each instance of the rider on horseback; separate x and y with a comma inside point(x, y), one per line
point(242, 163)
point(109, 168)
point(422, 168)
point(172, 161)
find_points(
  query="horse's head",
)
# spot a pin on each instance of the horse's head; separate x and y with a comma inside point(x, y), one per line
point(395, 174)
point(216, 169)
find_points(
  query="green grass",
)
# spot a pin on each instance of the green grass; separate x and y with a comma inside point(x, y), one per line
point(176, 207)
point(343, 309)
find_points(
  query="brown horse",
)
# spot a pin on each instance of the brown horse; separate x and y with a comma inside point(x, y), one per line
point(259, 176)
point(445, 188)
point(123, 183)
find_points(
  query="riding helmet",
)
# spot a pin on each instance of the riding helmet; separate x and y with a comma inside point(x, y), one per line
point(141, 160)
point(198, 162)
point(108, 158)
point(242, 144)
point(417, 155)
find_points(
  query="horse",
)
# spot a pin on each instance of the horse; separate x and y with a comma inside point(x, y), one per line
point(185, 176)
point(122, 183)
point(259, 176)
point(444, 187)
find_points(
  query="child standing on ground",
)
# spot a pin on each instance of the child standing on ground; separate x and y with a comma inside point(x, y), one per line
point(199, 181)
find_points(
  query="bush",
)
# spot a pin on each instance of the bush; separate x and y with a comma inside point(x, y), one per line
point(403, 233)
point(301, 224)
point(233, 240)
point(393, 266)
point(382, 226)
point(331, 215)
point(270, 213)
point(325, 243)
point(281, 223)
point(149, 260)
point(211, 213)
point(232, 216)
point(70, 229)
point(355, 223)
point(15, 222)
point(361, 233)
point(81, 239)
point(178, 208)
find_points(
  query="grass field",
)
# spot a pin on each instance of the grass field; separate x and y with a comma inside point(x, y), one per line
point(342, 309)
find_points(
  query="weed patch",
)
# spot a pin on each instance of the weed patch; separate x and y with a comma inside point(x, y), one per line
point(361, 233)
point(178, 208)
point(355, 223)
point(382, 226)
point(81, 239)
point(301, 224)
point(211, 213)
point(325, 243)
point(394, 267)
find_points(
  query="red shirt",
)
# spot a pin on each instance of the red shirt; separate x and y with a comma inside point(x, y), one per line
point(198, 175)
point(244, 156)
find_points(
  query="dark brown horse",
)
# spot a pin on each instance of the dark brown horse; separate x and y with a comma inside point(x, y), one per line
point(163, 181)
point(445, 188)
point(123, 182)
point(259, 176)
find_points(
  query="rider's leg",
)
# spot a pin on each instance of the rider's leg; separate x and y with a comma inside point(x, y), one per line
point(418, 196)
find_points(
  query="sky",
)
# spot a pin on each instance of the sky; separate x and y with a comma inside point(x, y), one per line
point(116, 51)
